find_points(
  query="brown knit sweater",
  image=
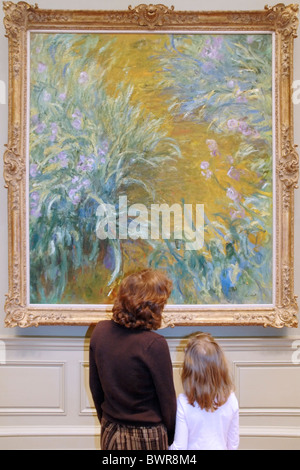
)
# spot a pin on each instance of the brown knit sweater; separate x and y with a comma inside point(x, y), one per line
point(131, 377)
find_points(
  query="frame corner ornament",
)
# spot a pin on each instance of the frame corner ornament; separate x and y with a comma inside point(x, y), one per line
point(286, 316)
point(15, 16)
point(285, 17)
point(16, 314)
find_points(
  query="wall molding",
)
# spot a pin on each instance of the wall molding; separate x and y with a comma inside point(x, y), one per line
point(49, 431)
point(177, 344)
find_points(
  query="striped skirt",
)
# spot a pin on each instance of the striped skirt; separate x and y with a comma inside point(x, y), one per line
point(115, 436)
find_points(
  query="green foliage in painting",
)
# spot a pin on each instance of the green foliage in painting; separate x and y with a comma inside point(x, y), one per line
point(225, 81)
point(87, 147)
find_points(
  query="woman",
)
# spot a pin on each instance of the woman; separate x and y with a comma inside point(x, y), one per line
point(131, 377)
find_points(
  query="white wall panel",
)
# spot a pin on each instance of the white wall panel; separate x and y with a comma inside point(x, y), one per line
point(86, 400)
point(32, 388)
point(268, 387)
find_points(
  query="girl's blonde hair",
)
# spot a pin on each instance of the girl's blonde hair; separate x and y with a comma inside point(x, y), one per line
point(205, 375)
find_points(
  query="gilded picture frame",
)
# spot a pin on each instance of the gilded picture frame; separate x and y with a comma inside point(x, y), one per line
point(27, 26)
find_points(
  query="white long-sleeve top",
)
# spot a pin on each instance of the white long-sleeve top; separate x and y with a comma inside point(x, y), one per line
point(198, 429)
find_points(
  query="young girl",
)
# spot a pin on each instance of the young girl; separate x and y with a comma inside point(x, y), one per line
point(207, 413)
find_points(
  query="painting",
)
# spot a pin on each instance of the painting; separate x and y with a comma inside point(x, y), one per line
point(151, 138)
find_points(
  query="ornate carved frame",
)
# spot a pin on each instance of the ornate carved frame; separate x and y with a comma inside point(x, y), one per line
point(283, 22)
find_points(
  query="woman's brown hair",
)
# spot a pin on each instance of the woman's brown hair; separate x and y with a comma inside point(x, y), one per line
point(141, 299)
point(205, 376)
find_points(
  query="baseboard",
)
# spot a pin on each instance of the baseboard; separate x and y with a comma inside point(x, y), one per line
point(88, 437)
